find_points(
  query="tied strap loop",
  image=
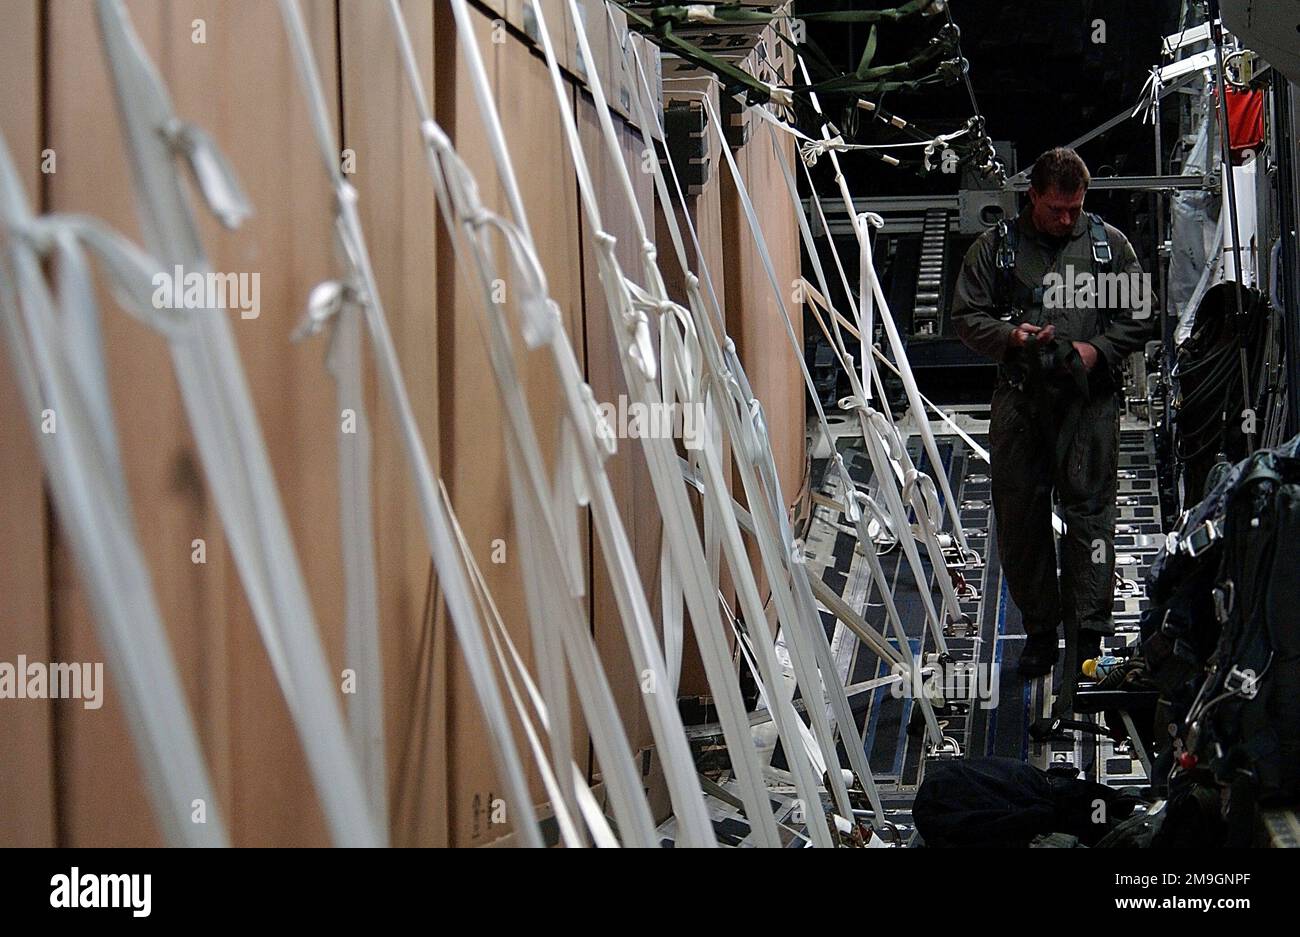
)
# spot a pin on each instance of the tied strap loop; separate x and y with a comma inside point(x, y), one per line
point(216, 180)
point(132, 274)
point(920, 492)
point(635, 321)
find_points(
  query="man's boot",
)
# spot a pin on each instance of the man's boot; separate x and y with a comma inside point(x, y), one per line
point(1039, 655)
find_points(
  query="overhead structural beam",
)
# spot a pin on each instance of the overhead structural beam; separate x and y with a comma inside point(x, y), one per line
point(1140, 183)
point(1023, 176)
point(840, 224)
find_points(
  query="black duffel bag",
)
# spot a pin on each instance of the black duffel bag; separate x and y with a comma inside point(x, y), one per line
point(1004, 802)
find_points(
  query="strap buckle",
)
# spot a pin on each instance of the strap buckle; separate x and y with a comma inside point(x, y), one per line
point(1224, 599)
point(1005, 258)
point(1167, 628)
point(1241, 682)
point(1201, 538)
point(1101, 252)
point(953, 557)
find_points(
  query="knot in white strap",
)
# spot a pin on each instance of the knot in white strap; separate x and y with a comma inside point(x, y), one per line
point(171, 130)
point(434, 135)
point(324, 303)
point(887, 432)
point(641, 350)
point(876, 513)
point(213, 175)
point(813, 150)
point(131, 273)
point(919, 491)
point(345, 193)
point(37, 234)
point(941, 141)
point(929, 154)
point(466, 206)
point(852, 508)
point(541, 316)
point(781, 97)
point(682, 316)
point(870, 218)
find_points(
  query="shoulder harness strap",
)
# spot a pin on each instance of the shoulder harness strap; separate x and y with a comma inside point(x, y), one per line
point(1004, 260)
point(1101, 252)
point(1103, 258)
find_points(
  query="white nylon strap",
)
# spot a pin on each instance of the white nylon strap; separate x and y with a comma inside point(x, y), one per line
point(796, 611)
point(749, 447)
point(877, 642)
point(607, 732)
point(679, 525)
point(814, 634)
point(356, 527)
point(899, 523)
point(866, 308)
point(810, 748)
point(555, 618)
point(675, 386)
point(332, 306)
point(437, 529)
point(806, 607)
point(811, 150)
point(817, 302)
point(920, 493)
point(765, 667)
point(513, 663)
point(886, 468)
point(745, 455)
point(638, 625)
point(59, 366)
point(891, 331)
point(226, 429)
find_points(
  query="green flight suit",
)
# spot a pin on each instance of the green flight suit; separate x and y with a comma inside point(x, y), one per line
point(1055, 426)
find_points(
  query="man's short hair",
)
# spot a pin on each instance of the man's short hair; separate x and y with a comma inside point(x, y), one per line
point(1060, 168)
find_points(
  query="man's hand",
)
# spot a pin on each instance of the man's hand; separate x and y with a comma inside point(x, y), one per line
point(1024, 333)
point(1088, 352)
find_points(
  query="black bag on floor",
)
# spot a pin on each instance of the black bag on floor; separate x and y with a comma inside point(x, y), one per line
point(1246, 723)
point(1003, 802)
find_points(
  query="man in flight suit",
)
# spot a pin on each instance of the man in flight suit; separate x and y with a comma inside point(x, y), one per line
point(1022, 299)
